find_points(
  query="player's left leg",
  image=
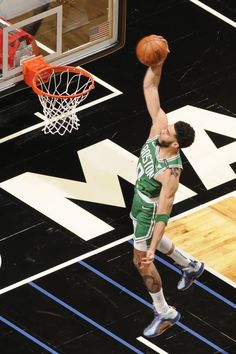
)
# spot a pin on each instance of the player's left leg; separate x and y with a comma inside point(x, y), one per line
point(165, 316)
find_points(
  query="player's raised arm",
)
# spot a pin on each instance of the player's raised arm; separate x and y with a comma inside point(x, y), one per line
point(151, 94)
point(152, 51)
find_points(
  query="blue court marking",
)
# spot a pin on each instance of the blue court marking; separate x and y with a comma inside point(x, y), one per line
point(86, 318)
point(197, 282)
point(29, 336)
point(135, 296)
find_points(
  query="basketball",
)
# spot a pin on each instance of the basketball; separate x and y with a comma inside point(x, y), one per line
point(152, 50)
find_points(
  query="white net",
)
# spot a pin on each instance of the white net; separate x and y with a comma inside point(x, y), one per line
point(60, 112)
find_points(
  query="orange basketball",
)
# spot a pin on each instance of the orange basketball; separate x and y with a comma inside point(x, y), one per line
point(152, 50)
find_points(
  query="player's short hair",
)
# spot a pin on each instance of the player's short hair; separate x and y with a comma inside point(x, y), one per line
point(185, 134)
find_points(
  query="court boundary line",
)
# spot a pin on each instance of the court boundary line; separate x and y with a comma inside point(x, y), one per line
point(151, 345)
point(214, 12)
point(64, 265)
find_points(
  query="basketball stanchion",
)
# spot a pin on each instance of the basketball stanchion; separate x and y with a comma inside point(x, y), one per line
point(60, 90)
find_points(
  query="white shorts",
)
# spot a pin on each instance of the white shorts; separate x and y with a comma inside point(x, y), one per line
point(141, 245)
point(165, 245)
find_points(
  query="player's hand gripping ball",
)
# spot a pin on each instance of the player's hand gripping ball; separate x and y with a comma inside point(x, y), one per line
point(152, 50)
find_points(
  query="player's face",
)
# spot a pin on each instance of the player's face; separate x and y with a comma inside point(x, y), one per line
point(167, 136)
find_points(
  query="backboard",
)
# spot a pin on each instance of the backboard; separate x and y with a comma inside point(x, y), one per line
point(62, 31)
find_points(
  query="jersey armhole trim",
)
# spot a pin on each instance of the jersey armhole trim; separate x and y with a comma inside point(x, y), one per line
point(152, 139)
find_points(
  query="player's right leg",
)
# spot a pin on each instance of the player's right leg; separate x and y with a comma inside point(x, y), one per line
point(191, 268)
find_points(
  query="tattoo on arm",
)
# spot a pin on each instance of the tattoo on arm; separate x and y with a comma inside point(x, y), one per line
point(175, 172)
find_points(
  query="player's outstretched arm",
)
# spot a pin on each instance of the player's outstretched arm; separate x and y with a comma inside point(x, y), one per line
point(151, 94)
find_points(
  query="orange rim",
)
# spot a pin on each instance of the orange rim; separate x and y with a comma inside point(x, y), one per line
point(59, 69)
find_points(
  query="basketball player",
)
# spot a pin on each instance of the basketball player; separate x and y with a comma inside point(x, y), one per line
point(158, 173)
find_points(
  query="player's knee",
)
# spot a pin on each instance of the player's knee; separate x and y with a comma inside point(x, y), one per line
point(137, 260)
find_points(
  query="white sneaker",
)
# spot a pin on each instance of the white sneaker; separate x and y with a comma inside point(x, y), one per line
point(162, 322)
point(189, 274)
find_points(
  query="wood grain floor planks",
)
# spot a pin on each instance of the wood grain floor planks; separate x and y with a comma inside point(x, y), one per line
point(209, 234)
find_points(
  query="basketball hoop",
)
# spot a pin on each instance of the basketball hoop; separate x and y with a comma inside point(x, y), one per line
point(60, 90)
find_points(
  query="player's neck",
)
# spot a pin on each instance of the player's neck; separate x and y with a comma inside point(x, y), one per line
point(166, 153)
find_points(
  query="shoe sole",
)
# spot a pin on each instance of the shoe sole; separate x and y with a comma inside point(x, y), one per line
point(201, 269)
point(164, 326)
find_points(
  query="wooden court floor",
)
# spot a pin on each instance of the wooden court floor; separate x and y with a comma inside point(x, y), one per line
point(209, 234)
point(67, 282)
